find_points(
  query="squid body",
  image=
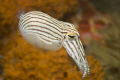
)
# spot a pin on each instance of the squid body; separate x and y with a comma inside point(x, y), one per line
point(49, 34)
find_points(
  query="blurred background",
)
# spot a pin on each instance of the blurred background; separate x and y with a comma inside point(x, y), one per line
point(98, 22)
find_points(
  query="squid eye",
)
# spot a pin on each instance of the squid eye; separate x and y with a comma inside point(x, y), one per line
point(71, 36)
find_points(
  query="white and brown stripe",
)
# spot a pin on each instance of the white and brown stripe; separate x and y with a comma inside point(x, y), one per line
point(75, 49)
point(49, 30)
point(42, 24)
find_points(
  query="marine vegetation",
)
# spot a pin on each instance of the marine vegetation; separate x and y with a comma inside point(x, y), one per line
point(24, 62)
point(108, 50)
point(9, 10)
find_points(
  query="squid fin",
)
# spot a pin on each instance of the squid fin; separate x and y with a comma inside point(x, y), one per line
point(21, 12)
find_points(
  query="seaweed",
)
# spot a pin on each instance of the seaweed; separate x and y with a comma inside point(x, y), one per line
point(24, 62)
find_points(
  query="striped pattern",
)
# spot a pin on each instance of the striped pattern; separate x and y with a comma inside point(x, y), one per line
point(43, 25)
point(50, 30)
point(75, 50)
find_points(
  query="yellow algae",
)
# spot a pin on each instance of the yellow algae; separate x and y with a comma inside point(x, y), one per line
point(24, 62)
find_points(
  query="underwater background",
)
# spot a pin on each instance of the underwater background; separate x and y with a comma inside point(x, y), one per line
point(98, 23)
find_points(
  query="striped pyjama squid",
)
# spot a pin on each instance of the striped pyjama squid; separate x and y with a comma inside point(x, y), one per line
point(49, 34)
